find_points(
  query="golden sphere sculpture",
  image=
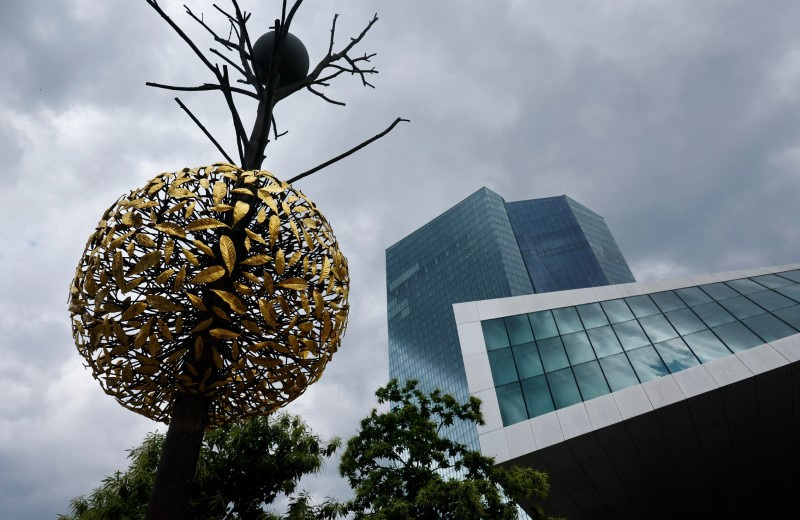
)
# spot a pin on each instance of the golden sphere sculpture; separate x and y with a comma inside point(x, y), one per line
point(214, 281)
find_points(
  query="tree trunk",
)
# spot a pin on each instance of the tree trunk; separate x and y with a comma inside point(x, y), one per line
point(176, 469)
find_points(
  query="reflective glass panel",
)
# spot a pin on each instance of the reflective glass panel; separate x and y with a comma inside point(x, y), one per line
point(792, 291)
point(791, 275)
point(712, 314)
point(527, 359)
point(591, 380)
point(537, 396)
point(719, 291)
point(504, 370)
point(552, 353)
point(618, 371)
point(543, 324)
point(494, 334)
point(642, 306)
point(512, 405)
point(647, 363)
point(617, 311)
point(771, 300)
point(736, 336)
point(741, 307)
point(631, 335)
point(771, 281)
point(519, 329)
point(676, 355)
point(685, 321)
point(693, 296)
point(790, 315)
point(562, 386)
point(745, 286)
point(706, 346)
point(578, 348)
point(567, 320)
point(658, 328)
point(769, 327)
point(592, 315)
point(604, 341)
point(667, 301)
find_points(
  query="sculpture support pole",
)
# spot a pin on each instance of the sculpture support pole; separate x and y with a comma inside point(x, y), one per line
point(178, 464)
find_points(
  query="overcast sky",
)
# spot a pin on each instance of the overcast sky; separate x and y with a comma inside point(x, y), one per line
point(678, 121)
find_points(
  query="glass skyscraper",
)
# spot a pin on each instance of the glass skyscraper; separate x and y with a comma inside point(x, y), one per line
point(484, 248)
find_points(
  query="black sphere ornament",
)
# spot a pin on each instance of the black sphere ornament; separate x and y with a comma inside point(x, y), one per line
point(293, 63)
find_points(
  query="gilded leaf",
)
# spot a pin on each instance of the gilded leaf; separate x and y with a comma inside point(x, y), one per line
point(228, 252)
point(198, 347)
point(264, 361)
point(209, 274)
point(164, 328)
point(232, 300)
point(171, 229)
point(133, 311)
point(147, 370)
point(179, 278)
point(176, 355)
point(269, 201)
point(203, 325)
point(144, 240)
point(147, 261)
point(255, 236)
point(220, 208)
point(280, 262)
point(180, 193)
point(256, 260)
point(168, 248)
point(242, 288)
point(242, 191)
point(274, 228)
point(204, 223)
point(164, 277)
point(240, 209)
point(204, 248)
point(251, 326)
point(221, 313)
point(190, 257)
point(196, 301)
point(161, 303)
point(296, 284)
point(217, 358)
point(223, 334)
point(261, 216)
point(310, 223)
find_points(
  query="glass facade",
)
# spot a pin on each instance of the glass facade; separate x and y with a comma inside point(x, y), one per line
point(559, 357)
point(474, 251)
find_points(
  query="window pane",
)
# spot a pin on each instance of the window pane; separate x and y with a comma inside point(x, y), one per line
point(771, 281)
point(685, 321)
point(676, 355)
point(706, 346)
point(790, 315)
point(617, 310)
point(562, 385)
point(792, 291)
point(741, 307)
point(693, 296)
point(618, 372)
point(642, 305)
point(658, 328)
point(771, 300)
point(591, 380)
point(604, 341)
point(667, 301)
point(592, 315)
point(512, 405)
point(631, 335)
point(712, 314)
point(552, 352)
point(578, 348)
point(537, 396)
point(719, 291)
point(736, 336)
point(745, 286)
point(567, 320)
point(494, 334)
point(519, 329)
point(504, 370)
point(543, 324)
point(791, 275)
point(527, 359)
point(647, 363)
point(769, 327)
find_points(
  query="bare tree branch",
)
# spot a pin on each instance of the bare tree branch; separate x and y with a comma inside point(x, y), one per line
point(203, 128)
point(200, 88)
point(326, 98)
point(348, 152)
point(222, 41)
point(177, 29)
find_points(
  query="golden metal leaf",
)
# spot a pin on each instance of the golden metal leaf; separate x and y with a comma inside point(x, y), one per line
point(204, 248)
point(144, 240)
point(240, 209)
point(296, 284)
point(221, 313)
point(270, 202)
point(261, 216)
point(168, 249)
point(242, 191)
point(251, 326)
point(190, 209)
point(203, 325)
point(255, 236)
point(133, 311)
point(232, 300)
point(161, 303)
point(196, 301)
point(228, 252)
point(147, 261)
point(220, 208)
point(190, 256)
point(280, 262)
point(256, 260)
point(209, 274)
point(198, 348)
point(205, 223)
point(179, 278)
point(242, 288)
point(181, 193)
point(274, 229)
point(217, 358)
point(164, 276)
point(171, 229)
point(223, 334)
point(164, 329)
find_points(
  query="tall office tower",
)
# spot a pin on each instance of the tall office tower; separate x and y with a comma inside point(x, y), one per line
point(479, 249)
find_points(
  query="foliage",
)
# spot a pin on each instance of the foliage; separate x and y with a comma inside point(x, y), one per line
point(241, 467)
point(400, 466)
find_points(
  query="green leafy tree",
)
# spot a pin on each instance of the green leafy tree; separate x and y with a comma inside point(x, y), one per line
point(241, 468)
point(396, 463)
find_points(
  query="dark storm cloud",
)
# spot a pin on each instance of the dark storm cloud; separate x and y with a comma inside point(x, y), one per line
point(677, 121)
